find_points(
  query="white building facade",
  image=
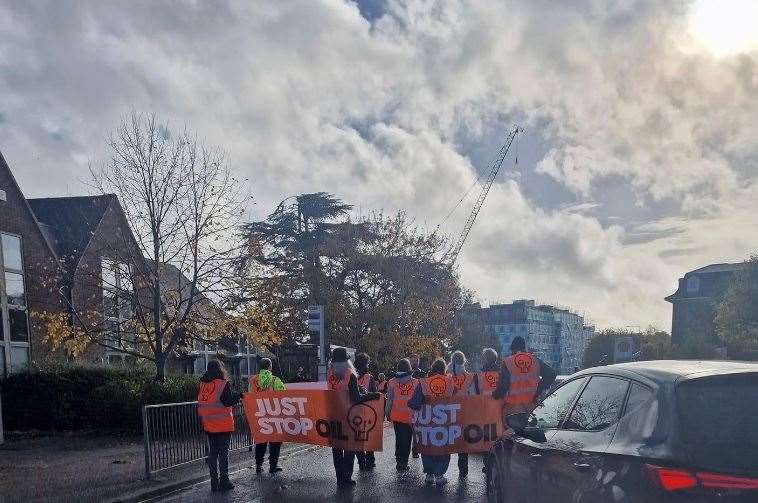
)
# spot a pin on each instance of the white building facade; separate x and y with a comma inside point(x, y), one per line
point(555, 335)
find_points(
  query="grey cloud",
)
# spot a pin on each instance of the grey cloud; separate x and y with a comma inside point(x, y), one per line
point(396, 104)
point(679, 252)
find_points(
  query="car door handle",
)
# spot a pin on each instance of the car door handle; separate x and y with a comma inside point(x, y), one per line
point(582, 467)
point(536, 455)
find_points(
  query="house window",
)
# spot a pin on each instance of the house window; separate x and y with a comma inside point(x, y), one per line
point(201, 364)
point(14, 322)
point(118, 294)
point(693, 283)
point(204, 353)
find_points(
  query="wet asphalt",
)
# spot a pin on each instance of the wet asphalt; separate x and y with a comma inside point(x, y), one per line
point(309, 476)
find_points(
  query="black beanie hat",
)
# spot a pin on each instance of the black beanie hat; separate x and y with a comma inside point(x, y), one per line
point(339, 355)
point(518, 344)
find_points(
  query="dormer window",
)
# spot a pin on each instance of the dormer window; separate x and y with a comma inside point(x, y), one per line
point(693, 284)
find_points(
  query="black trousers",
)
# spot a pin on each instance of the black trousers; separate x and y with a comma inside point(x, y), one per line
point(463, 463)
point(218, 454)
point(343, 464)
point(403, 438)
point(365, 459)
point(273, 453)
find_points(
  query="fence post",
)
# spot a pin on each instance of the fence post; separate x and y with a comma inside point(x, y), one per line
point(146, 440)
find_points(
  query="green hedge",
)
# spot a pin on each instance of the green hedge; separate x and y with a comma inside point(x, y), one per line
point(66, 397)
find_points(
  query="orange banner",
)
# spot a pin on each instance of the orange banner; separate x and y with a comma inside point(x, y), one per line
point(319, 417)
point(458, 424)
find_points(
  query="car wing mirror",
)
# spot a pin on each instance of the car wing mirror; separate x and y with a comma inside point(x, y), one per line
point(520, 424)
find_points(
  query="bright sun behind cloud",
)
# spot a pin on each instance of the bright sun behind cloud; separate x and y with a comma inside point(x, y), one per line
point(725, 27)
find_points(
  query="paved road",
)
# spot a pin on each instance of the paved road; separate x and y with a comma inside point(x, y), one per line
point(309, 476)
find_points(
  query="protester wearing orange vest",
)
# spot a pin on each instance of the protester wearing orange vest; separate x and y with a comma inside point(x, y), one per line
point(264, 380)
point(366, 381)
point(522, 379)
point(215, 400)
point(436, 385)
point(488, 376)
point(342, 378)
point(464, 384)
point(400, 389)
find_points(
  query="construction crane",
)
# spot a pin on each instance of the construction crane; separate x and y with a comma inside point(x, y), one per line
point(494, 170)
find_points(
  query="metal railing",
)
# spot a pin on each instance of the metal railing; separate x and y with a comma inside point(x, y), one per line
point(2, 436)
point(172, 435)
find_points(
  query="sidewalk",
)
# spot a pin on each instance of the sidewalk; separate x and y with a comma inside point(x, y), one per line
point(87, 467)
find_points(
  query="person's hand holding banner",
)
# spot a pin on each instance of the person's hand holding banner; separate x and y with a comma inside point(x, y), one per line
point(319, 417)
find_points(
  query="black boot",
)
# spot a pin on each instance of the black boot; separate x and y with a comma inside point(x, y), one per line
point(225, 485)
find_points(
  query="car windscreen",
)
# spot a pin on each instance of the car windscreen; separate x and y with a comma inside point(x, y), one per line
point(718, 421)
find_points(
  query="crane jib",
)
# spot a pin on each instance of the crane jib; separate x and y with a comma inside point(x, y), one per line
point(496, 165)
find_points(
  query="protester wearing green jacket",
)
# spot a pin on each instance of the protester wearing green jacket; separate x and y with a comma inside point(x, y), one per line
point(266, 381)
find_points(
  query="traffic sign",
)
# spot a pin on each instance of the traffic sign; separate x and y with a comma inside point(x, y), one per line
point(623, 349)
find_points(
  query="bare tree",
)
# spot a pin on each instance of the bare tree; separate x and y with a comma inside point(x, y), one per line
point(183, 205)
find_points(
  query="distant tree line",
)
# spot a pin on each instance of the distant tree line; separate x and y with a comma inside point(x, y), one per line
point(652, 344)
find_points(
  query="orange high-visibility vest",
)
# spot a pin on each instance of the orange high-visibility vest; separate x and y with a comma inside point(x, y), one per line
point(382, 387)
point(437, 386)
point(401, 394)
point(462, 383)
point(365, 380)
point(488, 381)
point(525, 378)
point(335, 382)
point(214, 416)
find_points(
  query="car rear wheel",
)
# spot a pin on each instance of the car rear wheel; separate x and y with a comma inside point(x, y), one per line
point(495, 482)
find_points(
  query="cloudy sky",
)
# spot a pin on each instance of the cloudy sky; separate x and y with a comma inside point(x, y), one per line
point(639, 161)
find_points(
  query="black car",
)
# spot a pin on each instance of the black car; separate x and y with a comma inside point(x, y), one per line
point(642, 432)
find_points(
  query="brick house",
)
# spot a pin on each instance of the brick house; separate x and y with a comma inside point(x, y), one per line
point(695, 302)
point(94, 243)
point(27, 257)
point(78, 255)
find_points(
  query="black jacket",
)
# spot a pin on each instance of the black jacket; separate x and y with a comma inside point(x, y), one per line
point(547, 377)
point(358, 396)
point(372, 386)
point(229, 397)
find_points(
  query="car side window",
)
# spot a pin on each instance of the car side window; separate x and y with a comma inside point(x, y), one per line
point(553, 409)
point(639, 396)
point(599, 406)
